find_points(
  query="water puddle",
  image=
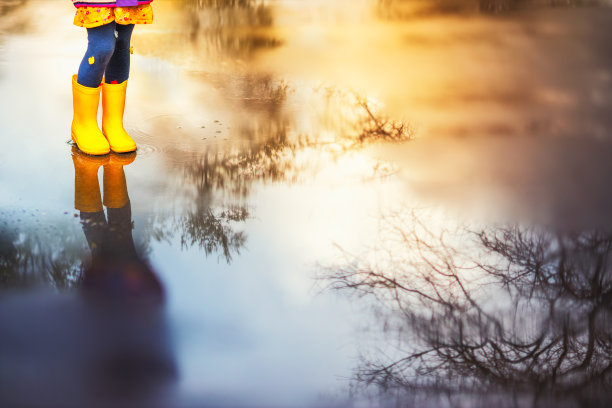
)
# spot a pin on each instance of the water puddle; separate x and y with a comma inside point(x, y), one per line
point(349, 203)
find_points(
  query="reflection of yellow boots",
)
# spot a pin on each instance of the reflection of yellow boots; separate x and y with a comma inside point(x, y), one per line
point(84, 130)
point(86, 186)
point(115, 187)
point(113, 106)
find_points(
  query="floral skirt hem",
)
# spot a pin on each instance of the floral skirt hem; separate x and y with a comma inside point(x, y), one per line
point(93, 16)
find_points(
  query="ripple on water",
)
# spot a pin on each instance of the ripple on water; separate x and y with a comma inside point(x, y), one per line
point(172, 152)
point(145, 142)
point(176, 139)
point(160, 134)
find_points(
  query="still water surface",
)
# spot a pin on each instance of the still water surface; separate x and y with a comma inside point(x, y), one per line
point(334, 203)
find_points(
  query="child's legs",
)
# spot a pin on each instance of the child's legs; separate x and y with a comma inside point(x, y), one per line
point(118, 68)
point(101, 45)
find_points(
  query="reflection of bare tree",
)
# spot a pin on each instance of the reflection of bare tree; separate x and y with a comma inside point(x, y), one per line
point(211, 229)
point(376, 128)
point(271, 153)
point(523, 313)
point(56, 255)
point(52, 255)
point(274, 153)
point(234, 172)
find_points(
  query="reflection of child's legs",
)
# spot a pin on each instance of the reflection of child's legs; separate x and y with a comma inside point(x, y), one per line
point(96, 232)
point(118, 206)
point(100, 49)
point(87, 199)
point(118, 68)
point(120, 229)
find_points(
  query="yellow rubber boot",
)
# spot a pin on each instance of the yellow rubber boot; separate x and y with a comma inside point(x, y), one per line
point(113, 106)
point(84, 130)
point(115, 186)
point(87, 197)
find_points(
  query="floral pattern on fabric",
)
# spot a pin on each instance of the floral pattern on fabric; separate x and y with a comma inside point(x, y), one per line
point(92, 16)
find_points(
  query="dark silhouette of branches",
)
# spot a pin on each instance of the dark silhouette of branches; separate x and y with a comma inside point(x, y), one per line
point(272, 153)
point(381, 128)
point(213, 232)
point(30, 256)
point(503, 310)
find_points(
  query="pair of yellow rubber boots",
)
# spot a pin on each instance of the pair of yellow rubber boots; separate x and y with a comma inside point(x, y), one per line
point(85, 131)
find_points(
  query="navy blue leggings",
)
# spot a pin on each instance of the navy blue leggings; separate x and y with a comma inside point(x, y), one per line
point(108, 55)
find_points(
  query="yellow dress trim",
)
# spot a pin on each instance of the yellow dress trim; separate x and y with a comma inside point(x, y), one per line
point(92, 16)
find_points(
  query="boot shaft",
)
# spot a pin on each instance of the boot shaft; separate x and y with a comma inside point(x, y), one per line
point(113, 105)
point(84, 129)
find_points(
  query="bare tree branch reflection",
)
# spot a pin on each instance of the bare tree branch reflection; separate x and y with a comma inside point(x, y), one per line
point(53, 255)
point(379, 128)
point(274, 153)
point(506, 310)
point(212, 230)
point(216, 183)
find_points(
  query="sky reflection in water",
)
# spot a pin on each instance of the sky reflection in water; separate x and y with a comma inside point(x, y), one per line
point(447, 160)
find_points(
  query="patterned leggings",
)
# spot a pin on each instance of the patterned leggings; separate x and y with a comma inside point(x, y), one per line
point(108, 55)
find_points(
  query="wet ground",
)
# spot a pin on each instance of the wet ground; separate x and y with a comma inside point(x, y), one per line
point(347, 203)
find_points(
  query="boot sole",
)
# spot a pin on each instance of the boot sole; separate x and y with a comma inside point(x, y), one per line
point(90, 152)
point(123, 151)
